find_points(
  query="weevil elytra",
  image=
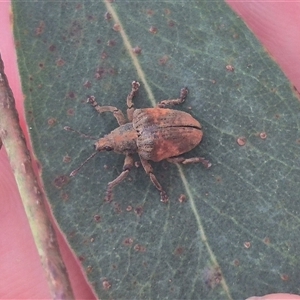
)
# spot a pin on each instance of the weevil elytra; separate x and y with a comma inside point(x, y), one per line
point(154, 134)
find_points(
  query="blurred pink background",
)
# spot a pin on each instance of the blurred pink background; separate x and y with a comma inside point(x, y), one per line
point(276, 25)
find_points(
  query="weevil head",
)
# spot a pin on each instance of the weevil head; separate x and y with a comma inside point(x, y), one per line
point(105, 144)
point(121, 140)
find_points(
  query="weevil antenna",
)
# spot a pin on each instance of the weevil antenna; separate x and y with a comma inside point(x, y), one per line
point(68, 128)
point(74, 172)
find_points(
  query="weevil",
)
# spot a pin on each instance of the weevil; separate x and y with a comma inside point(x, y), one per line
point(155, 134)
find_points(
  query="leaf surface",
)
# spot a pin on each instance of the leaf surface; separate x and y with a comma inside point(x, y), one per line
point(237, 234)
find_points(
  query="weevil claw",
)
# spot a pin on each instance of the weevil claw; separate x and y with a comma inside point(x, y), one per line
point(108, 196)
point(183, 93)
point(135, 85)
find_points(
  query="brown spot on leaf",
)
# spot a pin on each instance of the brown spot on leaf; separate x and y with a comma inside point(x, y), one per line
point(104, 55)
point(97, 218)
point(162, 61)
point(218, 179)
point(139, 210)
point(179, 251)
point(117, 207)
point(241, 141)
point(51, 121)
point(284, 277)
point(171, 23)
point(137, 50)
point(70, 112)
point(167, 11)
point(111, 43)
point(117, 27)
point(87, 84)
point(40, 29)
point(111, 71)
point(52, 48)
point(107, 16)
point(139, 248)
point(129, 208)
point(67, 159)
point(263, 135)
point(72, 234)
point(128, 242)
point(89, 269)
point(99, 73)
point(75, 31)
point(106, 284)
point(60, 181)
point(230, 68)
point(212, 277)
point(247, 245)
point(150, 12)
point(153, 30)
point(274, 90)
point(65, 196)
point(60, 62)
point(71, 95)
point(91, 17)
point(182, 198)
point(236, 262)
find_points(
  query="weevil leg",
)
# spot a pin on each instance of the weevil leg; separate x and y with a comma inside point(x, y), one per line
point(130, 105)
point(100, 109)
point(183, 94)
point(192, 160)
point(128, 164)
point(149, 170)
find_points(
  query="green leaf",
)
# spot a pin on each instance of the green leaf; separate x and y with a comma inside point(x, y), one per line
point(237, 234)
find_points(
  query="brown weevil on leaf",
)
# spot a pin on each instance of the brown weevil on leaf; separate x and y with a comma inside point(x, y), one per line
point(154, 134)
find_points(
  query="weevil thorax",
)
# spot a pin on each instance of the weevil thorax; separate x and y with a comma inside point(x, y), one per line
point(121, 140)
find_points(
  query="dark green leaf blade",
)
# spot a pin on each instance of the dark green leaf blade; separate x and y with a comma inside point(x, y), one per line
point(237, 234)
